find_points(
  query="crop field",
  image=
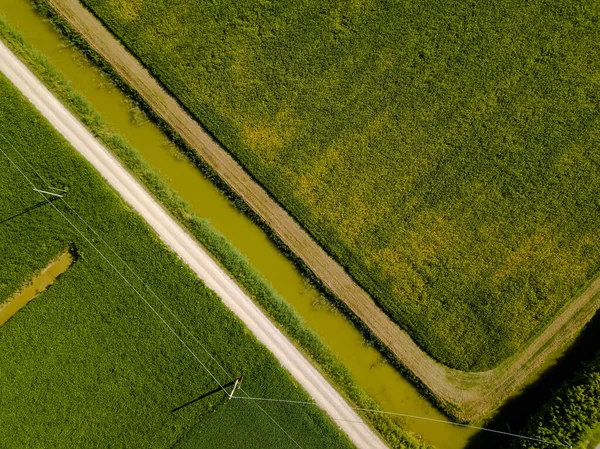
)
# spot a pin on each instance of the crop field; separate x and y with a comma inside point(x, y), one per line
point(445, 153)
point(86, 363)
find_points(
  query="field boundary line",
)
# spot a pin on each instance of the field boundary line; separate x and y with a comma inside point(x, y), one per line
point(485, 389)
point(188, 250)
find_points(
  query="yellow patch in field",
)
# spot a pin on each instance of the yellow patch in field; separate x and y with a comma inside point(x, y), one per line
point(534, 248)
point(541, 252)
point(356, 223)
point(360, 5)
point(267, 138)
point(418, 247)
point(263, 136)
point(431, 234)
point(311, 180)
point(242, 76)
point(305, 189)
point(127, 9)
point(352, 208)
point(358, 215)
point(378, 124)
point(406, 282)
point(387, 59)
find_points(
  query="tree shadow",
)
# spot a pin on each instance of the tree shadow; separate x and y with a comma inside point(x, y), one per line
point(216, 390)
point(513, 415)
point(29, 209)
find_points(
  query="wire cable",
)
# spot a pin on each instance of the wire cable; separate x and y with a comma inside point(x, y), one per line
point(146, 285)
point(248, 397)
point(120, 274)
point(136, 291)
point(178, 320)
point(405, 415)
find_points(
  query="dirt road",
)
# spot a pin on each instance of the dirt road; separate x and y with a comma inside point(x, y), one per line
point(190, 252)
point(467, 395)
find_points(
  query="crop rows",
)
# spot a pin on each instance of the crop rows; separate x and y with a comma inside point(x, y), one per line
point(86, 363)
point(445, 153)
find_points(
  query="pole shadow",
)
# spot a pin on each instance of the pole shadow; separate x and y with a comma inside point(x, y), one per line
point(205, 395)
point(29, 209)
point(513, 415)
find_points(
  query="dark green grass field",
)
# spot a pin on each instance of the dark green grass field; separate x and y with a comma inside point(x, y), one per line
point(86, 363)
point(446, 152)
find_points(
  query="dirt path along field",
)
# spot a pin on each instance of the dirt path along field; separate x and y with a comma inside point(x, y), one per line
point(467, 395)
point(190, 251)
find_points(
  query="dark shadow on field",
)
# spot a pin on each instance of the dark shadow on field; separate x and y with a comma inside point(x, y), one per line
point(205, 395)
point(29, 209)
point(513, 415)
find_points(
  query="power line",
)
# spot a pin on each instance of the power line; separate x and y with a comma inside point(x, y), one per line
point(247, 397)
point(178, 320)
point(405, 415)
point(120, 274)
point(147, 287)
point(135, 290)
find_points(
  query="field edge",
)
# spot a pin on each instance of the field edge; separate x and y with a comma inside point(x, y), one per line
point(223, 252)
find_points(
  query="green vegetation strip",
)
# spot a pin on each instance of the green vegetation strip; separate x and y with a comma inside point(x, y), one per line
point(571, 415)
point(233, 261)
point(91, 365)
point(445, 153)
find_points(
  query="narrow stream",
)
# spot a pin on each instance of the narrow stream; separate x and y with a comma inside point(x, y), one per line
point(37, 286)
point(373, 374)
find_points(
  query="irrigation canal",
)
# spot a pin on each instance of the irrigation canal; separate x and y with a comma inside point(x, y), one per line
point(382, 382)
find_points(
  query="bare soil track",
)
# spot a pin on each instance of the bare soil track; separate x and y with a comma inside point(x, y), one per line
point(466, 395)
point(324, 395)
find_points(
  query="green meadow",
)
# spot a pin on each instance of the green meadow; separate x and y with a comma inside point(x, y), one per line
point(446, 152)
point(87, 363)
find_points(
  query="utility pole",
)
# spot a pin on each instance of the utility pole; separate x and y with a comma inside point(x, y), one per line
point(238, 382)
point(49, 193)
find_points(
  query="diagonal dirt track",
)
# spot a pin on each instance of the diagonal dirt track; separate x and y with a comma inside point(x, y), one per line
point(197, 259)
point(466, 395)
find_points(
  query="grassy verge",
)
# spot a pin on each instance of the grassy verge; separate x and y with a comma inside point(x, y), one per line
point(88, 364)
point(571, 415)
point(452, 175)
point(234, 262)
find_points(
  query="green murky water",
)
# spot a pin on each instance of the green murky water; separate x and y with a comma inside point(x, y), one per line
point(382, 382)
point(37, 286)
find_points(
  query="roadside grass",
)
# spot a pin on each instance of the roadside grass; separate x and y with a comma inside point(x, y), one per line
point(88, 364)
point(445, 153)
point(222, 250)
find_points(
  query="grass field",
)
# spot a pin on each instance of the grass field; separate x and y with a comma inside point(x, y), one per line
point(236, 264)
point(444, 153)
point(87, 364)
